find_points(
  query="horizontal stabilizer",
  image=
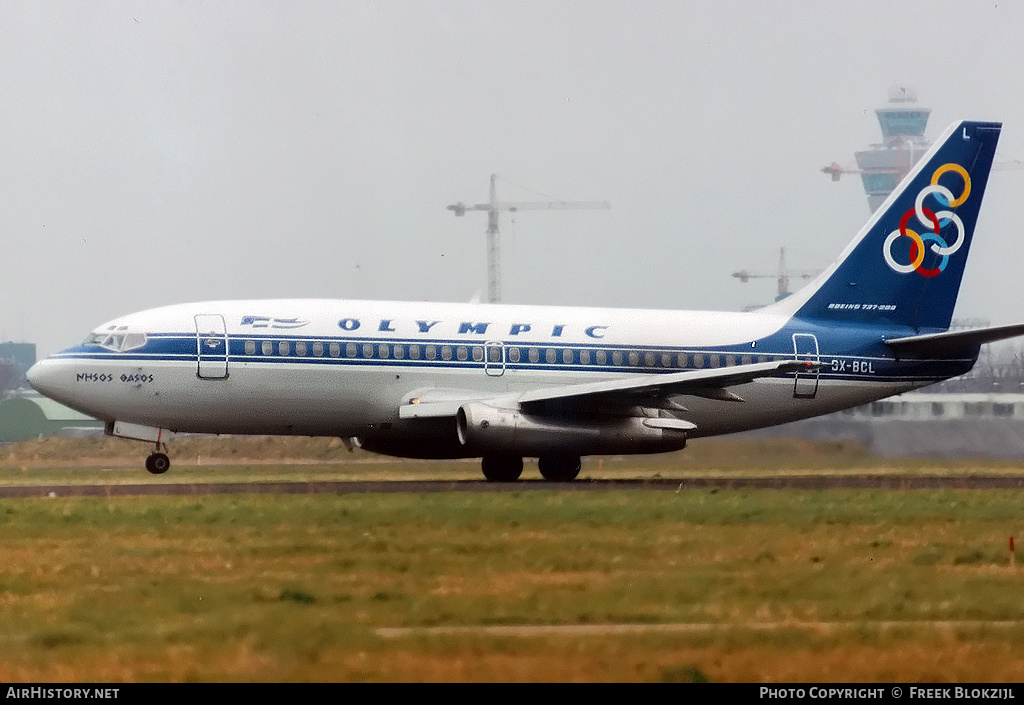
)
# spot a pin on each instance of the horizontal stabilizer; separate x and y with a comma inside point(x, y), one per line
point(941, 344)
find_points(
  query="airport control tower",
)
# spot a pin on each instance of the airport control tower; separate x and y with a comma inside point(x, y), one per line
point(884, 165)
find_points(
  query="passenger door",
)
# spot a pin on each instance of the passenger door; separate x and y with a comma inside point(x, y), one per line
point(805, 348)
point(212, 346)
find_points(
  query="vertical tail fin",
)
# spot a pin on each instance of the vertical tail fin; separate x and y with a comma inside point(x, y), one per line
point(904, 267)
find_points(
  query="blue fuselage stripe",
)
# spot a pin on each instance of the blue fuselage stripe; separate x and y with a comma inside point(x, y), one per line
point(582, 357)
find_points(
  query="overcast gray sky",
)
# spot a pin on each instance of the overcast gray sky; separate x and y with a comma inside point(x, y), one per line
point(159, 152)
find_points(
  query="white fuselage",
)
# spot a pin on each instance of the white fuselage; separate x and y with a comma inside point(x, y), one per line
point(343, 368)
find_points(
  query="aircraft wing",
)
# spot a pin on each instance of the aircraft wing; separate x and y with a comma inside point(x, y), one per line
point(939, 344)
point(628, 391)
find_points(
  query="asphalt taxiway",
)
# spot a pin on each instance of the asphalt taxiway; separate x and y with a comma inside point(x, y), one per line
point(780, 482)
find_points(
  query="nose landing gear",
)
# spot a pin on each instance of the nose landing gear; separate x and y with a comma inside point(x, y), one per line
point(158, 463)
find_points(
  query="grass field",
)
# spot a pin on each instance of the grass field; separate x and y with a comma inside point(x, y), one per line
point(783, 585)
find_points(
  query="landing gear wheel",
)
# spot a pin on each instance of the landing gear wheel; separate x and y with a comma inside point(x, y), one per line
point(158, 463)
point(559, 468)
point(501, 468)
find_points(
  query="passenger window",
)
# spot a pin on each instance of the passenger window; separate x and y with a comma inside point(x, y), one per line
point(367, 350)
point(698, 360)
point(549, 355)
point(682, 361)
point(493, 353)
point(649, 359)
point(617, 357)
point(745, 360)
point(513, 354)
point(283, 348)
point(318, 349)
point(399, 352)
point(414, 352)
point(602, 357)
point(431, 352)
point(267, 347)
point(383, 351)
point(567, 356)
point(446, 352)
point(250, 347)
point(666, 360)
point(715, 362)
point(584, 357)
point(634, 358)
point(335, 349)
point(462, 352)
point(534, 355)
point(300, 348)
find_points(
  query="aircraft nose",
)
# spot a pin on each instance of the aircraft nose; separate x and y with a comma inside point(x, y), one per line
point(56, 377)
point(44, 377)
point(32, 375)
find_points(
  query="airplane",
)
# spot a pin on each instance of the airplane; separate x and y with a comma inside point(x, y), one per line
point(507, 382)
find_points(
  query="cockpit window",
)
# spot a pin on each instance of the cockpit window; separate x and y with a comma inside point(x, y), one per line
point(133, 341)
point(116, 338)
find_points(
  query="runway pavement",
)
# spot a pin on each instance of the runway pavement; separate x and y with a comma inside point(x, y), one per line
point(801, 482)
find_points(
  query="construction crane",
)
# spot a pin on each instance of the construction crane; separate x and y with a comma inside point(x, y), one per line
point(782, 276)
point(493, 247)
point(836, 171)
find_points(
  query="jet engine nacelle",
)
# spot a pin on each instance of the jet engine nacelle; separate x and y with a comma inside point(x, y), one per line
point(488, 430)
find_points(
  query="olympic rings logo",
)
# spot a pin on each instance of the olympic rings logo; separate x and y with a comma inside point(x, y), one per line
point(934, 222)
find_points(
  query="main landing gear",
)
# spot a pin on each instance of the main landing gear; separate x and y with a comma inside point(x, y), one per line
point(559, 468)
point(553, 468)
point(501, 468)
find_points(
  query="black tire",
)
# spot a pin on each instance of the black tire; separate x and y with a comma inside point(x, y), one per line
point(559, 468)
point(158, 463)
point(501, 468)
